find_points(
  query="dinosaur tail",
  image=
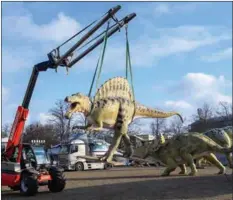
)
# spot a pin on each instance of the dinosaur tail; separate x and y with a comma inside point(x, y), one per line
point(144, 111)
point(214, 146)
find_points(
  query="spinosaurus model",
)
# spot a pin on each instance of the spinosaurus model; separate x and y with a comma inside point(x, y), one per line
point(113, 106)
point(181, 150)
point(223, 137)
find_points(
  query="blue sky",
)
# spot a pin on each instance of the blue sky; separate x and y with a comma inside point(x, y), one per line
point(181, 53)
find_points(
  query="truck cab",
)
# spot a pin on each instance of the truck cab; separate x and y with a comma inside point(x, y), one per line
point(68, 157)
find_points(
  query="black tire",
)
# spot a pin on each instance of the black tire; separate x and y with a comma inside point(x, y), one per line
point(28, 184)
point(79, 166)
point(58, 182)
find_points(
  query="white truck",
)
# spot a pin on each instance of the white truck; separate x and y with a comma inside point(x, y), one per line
point(68, 157)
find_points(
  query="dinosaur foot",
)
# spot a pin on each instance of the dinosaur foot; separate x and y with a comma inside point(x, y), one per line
point(106, 159)
point(221, 172)
point(183, 173)
point(192, 174)
point(164, 174)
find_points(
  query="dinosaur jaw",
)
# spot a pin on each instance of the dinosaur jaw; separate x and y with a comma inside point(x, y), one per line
point(71, 110)
point(76, 108)
point(69, 114)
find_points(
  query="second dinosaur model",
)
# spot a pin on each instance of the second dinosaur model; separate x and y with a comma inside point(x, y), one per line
point(113, 106)
point(183, 149)
point(223, 137)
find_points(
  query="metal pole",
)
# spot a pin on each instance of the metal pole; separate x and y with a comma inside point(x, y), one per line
point(98, 42)
point(97, 26)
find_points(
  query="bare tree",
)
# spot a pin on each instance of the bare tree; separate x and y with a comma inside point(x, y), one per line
point(61, 124)
point(176, 126)
point(204, 113)
point(224, 110)
point(37, 131)
point(6, 128)
point(157, 126)
point(134, 127)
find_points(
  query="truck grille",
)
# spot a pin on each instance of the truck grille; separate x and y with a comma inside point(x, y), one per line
point(62, 161)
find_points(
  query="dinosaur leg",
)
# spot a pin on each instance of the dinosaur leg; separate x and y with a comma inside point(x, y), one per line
point(183, 169)
point(199, 163)
point(115, 143)
point(128, 146)
point(229, 159)
point(171, 166)
point(97, 127)
point(189, 159)
point(213, 159)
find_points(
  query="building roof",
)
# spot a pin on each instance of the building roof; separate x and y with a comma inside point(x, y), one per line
point(213, 119)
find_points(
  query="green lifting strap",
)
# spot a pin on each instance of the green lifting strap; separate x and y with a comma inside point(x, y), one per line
point(99, 68)
point(103, 53)
point(128, 60)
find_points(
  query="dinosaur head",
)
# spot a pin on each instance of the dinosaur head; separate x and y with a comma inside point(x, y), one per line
point(78, 103)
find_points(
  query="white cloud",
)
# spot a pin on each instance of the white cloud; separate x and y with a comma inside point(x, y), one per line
point(218, 56)
point(194, 89)
point(182, 107)
point(162, 9)
point(155, 9)
point(181, 104)
point(59, 29)
point(13, 61)
point(5, 94)
point(148, 50)
point(9, 110)
point(44, 117)
point(173, 41)
point(203, 87)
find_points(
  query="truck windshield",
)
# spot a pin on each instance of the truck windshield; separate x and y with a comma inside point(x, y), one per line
point(65, 149)
point(98, 147)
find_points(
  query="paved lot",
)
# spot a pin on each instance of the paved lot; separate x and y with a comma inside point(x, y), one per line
point(137, 184)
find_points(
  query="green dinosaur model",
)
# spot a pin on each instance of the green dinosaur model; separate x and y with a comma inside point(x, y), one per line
point(223, 137)
point(228, 130)
point(181, 150)
point(113, 106)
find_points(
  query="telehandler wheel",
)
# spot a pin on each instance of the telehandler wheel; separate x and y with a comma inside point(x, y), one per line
point(58, 182)
point(28, 184)
point(79, 166)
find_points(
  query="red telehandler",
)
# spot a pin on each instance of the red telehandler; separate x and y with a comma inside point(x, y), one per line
point(20, 170)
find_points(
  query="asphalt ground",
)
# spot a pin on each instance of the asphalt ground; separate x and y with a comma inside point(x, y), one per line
point(136, 183)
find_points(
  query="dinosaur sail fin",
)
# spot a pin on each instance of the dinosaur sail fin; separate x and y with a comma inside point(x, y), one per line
point(114, 87)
